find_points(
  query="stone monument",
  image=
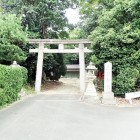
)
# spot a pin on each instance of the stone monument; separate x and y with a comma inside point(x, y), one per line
point(108, 95)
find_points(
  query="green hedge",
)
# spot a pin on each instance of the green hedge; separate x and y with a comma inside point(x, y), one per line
point(125, 81)
point(11, 81)
point(24, 75)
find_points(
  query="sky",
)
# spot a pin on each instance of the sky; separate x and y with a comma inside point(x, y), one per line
point(72, 15)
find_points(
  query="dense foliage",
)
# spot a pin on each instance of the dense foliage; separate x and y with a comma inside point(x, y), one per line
point(90, 12)
point(116, 38)
point(11, 82)
point(42, 19)
point(12, 37)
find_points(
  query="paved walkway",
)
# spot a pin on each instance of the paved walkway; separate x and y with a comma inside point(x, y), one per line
point(65, 117)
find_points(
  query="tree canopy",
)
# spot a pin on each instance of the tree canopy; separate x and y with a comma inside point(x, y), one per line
point(116, 38)
point(12, 39)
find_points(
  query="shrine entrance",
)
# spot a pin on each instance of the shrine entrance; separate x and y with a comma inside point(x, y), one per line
point(81, 50)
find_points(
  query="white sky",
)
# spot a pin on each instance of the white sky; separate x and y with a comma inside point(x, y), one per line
point(72, 15)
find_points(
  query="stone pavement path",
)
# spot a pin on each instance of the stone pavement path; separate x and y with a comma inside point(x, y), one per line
point(65, 117)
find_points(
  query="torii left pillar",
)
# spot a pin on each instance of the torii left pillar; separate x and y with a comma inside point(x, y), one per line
point(39, 67)
point(82, 68)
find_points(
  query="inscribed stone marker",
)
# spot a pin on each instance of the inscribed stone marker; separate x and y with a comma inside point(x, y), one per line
point(108, 81)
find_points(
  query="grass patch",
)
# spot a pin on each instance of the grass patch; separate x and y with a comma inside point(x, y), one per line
point(28, 89)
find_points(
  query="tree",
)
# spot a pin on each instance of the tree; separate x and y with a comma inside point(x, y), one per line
point(12, 39)
point(90, 11)
point(117, 39)
point(74, 58)
point(43, 19)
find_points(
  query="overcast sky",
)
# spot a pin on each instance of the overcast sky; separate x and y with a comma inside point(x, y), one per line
point(72, 15)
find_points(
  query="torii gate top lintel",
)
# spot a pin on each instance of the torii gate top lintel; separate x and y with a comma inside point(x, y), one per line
point(59, 41)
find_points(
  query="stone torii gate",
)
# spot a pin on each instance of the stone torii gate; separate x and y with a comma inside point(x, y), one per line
point(41, 50)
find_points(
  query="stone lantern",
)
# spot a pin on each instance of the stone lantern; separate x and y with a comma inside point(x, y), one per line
point(90, 71)
point(91, 90)
point(15, 64)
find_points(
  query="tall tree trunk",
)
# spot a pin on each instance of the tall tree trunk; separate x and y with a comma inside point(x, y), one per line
point(43, 33)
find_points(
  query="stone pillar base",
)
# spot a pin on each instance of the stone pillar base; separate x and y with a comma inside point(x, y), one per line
point(93, 94)
point(91, 90)
point(108, 95)
point(108, 99)
point(92, 99)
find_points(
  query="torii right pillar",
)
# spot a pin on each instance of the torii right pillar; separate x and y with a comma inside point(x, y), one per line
point(82, 68)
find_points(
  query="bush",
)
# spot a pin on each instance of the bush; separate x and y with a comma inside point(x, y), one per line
point(11, 82)
point(125, 81)
point(24, 75)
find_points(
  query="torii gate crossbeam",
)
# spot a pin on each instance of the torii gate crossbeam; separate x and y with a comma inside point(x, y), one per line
point(41, 50)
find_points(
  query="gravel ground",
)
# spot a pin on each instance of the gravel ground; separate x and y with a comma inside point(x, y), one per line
point(123, 102)
point(63, 86)
point(71, 86)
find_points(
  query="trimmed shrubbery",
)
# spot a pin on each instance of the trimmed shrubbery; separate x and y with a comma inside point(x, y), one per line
point(126, 81)
point(11, 81)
